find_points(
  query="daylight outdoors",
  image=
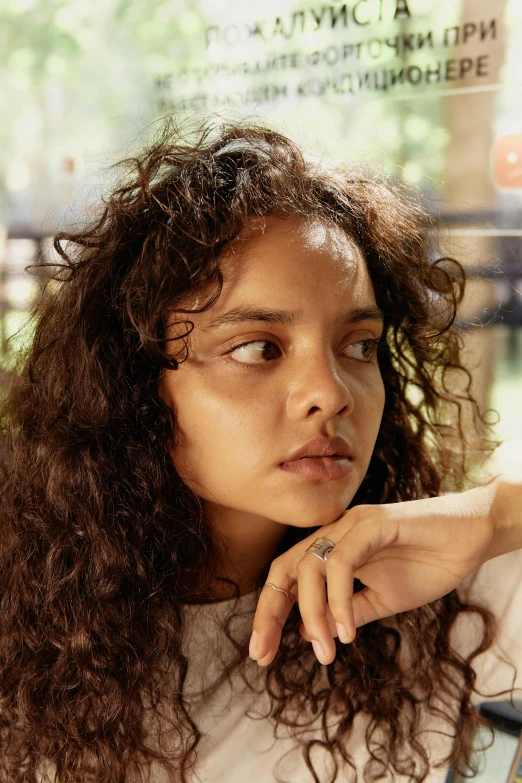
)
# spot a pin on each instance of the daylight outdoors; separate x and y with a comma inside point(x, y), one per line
point(428, 90)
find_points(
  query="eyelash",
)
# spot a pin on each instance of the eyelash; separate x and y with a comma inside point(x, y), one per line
point(373, 342)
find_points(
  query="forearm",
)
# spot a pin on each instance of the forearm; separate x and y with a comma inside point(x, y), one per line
point(502, 502)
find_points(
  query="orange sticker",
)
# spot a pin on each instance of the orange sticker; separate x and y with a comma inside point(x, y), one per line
point(507, 158)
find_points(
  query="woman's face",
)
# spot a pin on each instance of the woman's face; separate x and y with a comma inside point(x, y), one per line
point(256, 388)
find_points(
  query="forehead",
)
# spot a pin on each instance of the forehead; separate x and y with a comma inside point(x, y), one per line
point(291, 263)
point(314, 233)
point(300, 250)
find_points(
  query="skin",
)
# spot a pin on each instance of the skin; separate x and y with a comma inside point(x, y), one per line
point(240, 412)
point(406, 554)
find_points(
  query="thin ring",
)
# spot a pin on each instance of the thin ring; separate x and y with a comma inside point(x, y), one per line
point(279, 589)
point(321, 548)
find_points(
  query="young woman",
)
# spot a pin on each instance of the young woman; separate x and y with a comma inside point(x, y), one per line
point(244, 345)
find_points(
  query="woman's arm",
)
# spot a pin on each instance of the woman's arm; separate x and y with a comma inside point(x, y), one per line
point(406, 554)
point(504, 500)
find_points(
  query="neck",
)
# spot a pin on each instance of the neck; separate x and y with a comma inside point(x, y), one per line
point(246, 547)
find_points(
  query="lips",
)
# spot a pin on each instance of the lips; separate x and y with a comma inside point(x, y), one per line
point(327, 468)
point(322, 447)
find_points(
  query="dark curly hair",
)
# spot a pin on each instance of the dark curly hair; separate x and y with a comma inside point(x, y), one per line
point(99, 534)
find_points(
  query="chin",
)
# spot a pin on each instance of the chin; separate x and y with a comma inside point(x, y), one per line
point(322, 513)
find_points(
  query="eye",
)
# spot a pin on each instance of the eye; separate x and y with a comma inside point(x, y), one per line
point(253, 349)
point(263, 350)
point(364, 350)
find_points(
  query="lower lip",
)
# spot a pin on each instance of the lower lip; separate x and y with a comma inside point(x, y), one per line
point(326, 468)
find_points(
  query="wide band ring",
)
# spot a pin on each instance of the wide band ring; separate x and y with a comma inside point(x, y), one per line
point(321, 548)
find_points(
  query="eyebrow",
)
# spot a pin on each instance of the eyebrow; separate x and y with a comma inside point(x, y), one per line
point(289, 317)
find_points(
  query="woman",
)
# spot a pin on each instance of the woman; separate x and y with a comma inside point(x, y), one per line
point(244, 345)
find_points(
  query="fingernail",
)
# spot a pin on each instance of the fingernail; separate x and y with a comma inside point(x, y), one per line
point(319, 650)
point(342, 633)
point(253, 645)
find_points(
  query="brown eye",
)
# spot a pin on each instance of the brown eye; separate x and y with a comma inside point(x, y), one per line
point(249, 351)
point(363, 350)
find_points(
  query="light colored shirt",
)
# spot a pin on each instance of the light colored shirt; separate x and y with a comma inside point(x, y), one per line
point(236, 747)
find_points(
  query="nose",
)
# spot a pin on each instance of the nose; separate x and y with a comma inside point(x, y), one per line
point(318, 389)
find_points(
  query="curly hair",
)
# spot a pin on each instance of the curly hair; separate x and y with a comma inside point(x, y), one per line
point(99, 534)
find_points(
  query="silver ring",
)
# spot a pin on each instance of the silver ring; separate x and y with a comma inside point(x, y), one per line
point(321, 548)
point(279, 589)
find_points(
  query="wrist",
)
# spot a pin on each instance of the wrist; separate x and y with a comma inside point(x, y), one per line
point(504, 503)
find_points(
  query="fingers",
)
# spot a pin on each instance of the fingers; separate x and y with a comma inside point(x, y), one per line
point(368, 607)
point(312, 606)
point(271, 614)
point(273, 608)
point(346, 611)
point(308, 587)
point(349, 552)
point(307, 578)
point(338, 613)
point(340, 576)
point(367, 537)
point(331, 626)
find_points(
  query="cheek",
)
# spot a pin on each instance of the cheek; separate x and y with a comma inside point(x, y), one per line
point(370, 406)
point(380, 400)
point(221, 433)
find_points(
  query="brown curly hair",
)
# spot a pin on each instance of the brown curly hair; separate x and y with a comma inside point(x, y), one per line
point(98, 532)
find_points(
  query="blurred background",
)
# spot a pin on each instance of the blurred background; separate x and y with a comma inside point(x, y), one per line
point(428, 90)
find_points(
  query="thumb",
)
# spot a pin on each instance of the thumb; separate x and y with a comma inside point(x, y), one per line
point(367, 607)
point(369, 535)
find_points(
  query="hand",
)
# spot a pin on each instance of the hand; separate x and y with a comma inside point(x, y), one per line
point(406, 554)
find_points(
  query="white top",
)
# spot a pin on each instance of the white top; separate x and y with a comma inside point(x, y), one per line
point(237, 748)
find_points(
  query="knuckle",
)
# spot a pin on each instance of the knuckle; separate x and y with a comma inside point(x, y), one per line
point(278, 562)
point(306, 563)
point(313, 629)
point(279, 621)
point(269, 616)
point(279, 576)
point(338, 608)
point(362, 514)
point(335, 557)
point(278, 566)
